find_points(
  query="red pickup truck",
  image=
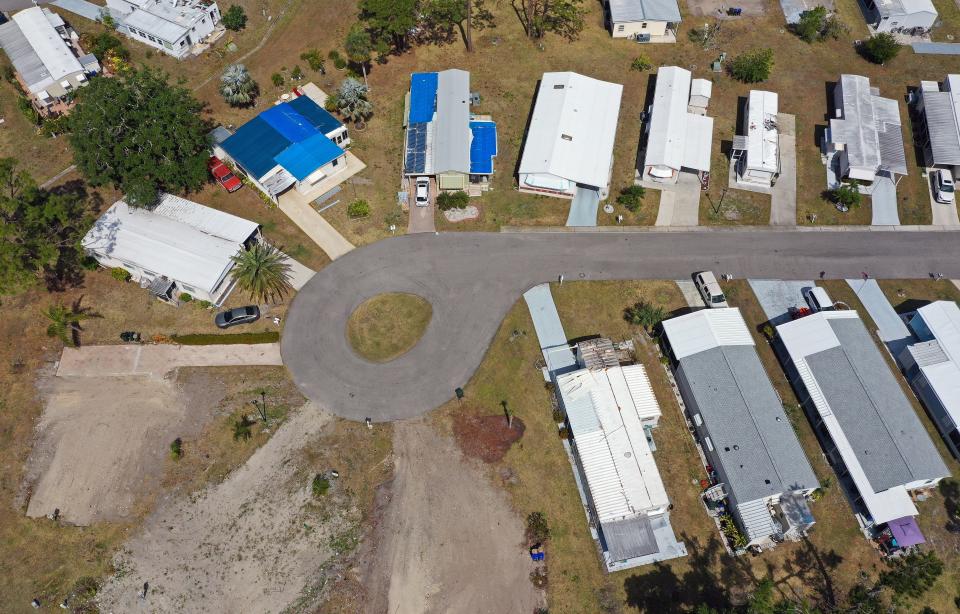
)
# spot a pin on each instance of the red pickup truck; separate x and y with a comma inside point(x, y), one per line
point(221, 172)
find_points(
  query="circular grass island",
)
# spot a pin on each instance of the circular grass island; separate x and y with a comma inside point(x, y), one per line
point(388, 325)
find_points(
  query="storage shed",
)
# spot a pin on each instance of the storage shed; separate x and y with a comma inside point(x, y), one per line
point(740, 423)
point(900, 15)
point(647, 21)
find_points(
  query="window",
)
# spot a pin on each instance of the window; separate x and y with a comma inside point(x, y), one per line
point(643, 26)
point(620, 27)
point(335, 162)
point(697, 419)
point(709, 444)
point(182, 43)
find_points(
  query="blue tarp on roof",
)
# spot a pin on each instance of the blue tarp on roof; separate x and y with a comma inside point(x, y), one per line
point(254, 146)
point(290, 124)
point(315, 114)
point(302, 159)
point(423, 97)
point(291, 134)
point(483, 147)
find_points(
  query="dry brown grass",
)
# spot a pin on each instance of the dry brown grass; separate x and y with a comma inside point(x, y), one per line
point(388, 325)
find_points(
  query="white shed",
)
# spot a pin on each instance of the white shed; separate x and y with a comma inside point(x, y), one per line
point(571, 136)
point(756, 154)
point(900, 15)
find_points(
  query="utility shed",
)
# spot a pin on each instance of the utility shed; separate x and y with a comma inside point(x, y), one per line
point(865, 132)
point(938, 131)
point(756, 154)
point(677, 139)
point(900, 15)
point(609, 411)
point(571, 136)
point(739, 419)
point(932, 366)
point(186, 245)
point(869, 430)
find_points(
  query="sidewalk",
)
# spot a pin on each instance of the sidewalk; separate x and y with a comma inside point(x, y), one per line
point(300, 273)
point(156, 360)
point(298, 209)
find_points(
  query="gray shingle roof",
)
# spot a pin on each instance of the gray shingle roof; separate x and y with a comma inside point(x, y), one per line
point(752, 437)
point(644, 10)
point(879, 422)
point(629, 538)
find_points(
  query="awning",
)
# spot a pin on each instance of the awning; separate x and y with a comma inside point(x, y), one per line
point(906, 531)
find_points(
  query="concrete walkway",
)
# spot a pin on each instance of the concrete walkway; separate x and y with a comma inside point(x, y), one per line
point(783, 196)
point(583, 208)
point(300, 273)
point(156, 360)
point(893, 331)
point(553, 341)
point(777, 297)
point(298, 209)
point(472, 279)
point(884, 202)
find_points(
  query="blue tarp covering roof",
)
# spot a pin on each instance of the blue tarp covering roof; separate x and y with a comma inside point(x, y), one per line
point(483, 147)
point(317, 115)
point(254, 146)
point(291, 125)
point(291, 134)
point(302, 159)
point(423, 97)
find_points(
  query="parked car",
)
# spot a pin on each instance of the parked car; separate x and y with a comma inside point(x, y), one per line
point(423, 191)
point(224, 176)
point(818, 299)
point(237, 315)
point(943, 188)
point(709, 289)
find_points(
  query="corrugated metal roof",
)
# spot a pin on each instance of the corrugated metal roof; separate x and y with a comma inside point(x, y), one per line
point(605, 409)
point(624, 11)
point(897, 8)
point(763, 136)
point(36, 50)
point(573, 128)
point(677, 139)
point(942, 319)
point(755, 519)
point(927, 353)
point(166, 245)
point(207, 220)
point(870, 127)
point(705, 329)
point(451, 128)
point(629, 538)
point(942, 113)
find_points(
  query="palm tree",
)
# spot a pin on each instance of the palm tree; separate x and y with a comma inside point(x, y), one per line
point(65, 322)
point(351, 98)
point(644, 314)
point(237, 87)
point(359, 46)
point(263, 271)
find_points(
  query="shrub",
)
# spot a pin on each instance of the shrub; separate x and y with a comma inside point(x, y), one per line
point(185, 298)
point(753, 66)
point(331, 104)
point(320, 485)
point(558, 415)
point(358, 208)
point(89, 263)
point(816, 25)
point(297, 73)
point(314, 60)
point(176, 449)
point(912, 575)
point(120, 274)
point(452, 200)
point(848, 195)
point(235, 18)
point(644, 314)
point(339, 63)
point(103, 43)
point(537, 529)
point(270, 336)
point(881, 48)
point(333, 56)
point(28, 111)
point(241, 429)
point(630, 197)
point(204, 304)
point(277, 79)
point(641, 63)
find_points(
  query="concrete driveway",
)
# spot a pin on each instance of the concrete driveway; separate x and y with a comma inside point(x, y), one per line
point(156, 360)
point(943, 214)
point(883, 202)
point(421, 219)
point(893, 331)
point(679, 203)
point(778, 297)
point(783, 196)
point(473, 279)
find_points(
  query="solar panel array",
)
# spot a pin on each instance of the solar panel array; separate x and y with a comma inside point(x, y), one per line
point(416, 156)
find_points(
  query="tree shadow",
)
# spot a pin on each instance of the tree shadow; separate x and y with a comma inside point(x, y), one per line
point(950, 489)
point(67, 271)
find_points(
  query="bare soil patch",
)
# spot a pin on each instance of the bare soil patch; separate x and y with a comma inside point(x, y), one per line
point(486, 437)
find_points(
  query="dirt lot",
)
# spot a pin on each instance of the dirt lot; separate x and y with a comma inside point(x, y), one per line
point(486, 437)
point(449, 540)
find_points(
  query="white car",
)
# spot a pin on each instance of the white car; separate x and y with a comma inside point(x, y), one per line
point(818, 299)
point(943, 188)
point(709, 289)
point(423, 191)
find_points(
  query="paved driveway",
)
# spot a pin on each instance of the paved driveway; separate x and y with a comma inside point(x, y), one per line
point(943, 214)
point(883, 201)
point(777, 297)
point(893, 331)
point(155, 360)
point(783, 196)
point(472, 280)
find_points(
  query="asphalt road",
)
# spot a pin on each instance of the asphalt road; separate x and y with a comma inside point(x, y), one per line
point(472, 280)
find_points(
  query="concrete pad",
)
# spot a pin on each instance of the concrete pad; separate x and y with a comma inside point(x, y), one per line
point(297, 207)
point(680, 206)
point(884, 202)
point(783, 198)
point(893, 331)
point(156, 360)
point(300, 273)
point(690, 293)
point(777, 297)
point(553, 341)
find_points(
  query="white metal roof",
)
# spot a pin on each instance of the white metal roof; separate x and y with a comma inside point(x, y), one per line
point(706, 329)
point(170, 240)
point(677, 138)
point(941, 108)
point(811, 335)
point(57, 58)
point(573, 129)
point(451, 125)
point(605, 408)
point(942, 319)
point(894, 8)
point(205, 219)
point(763, 137)
point(869, 129)
point(625, 11)
point(701, 87)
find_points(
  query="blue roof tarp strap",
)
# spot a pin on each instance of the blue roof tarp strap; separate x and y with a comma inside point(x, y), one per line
point(423, 97)
point(315, 114)
point(254, 146)
point(290, 124)
point(483, 147)
point(303, 159)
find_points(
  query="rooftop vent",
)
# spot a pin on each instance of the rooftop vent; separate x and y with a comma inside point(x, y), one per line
point(566, 137)
point(558, 86)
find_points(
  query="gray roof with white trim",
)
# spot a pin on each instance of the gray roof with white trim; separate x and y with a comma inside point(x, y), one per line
point(622, 11)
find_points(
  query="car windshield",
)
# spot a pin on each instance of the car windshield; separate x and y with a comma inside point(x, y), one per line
point(719, 298)
point(947, 187)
